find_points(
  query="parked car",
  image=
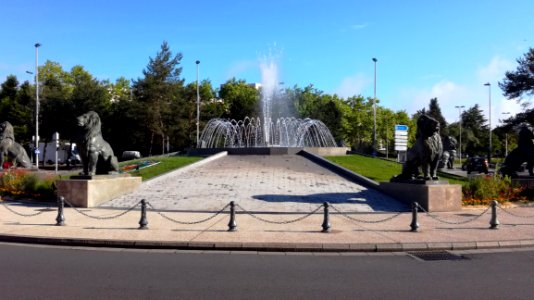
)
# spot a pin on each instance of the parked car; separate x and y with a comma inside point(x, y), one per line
point(476, 163)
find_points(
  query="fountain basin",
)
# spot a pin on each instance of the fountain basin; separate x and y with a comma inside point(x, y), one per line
point(322, 151)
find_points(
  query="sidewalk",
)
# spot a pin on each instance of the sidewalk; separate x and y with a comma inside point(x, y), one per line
point(253, 234)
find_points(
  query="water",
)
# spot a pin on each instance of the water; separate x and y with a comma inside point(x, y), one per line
point(285, 132)
point(280, 127)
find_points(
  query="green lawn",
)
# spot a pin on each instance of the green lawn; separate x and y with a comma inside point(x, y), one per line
point(377, 169)
point(166, 164)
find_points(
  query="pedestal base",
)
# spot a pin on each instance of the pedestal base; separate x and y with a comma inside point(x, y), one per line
point(432, 197)
point(96, 190)
point(524, 182)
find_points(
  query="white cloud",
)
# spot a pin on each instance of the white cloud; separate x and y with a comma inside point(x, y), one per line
point(494, 71)
point(451, 94)
point(359, 26)
point(352, 85)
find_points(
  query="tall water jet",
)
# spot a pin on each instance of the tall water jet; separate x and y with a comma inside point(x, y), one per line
point(278, 126)
point(269, 86)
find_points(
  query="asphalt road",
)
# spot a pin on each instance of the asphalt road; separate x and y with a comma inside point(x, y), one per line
point(28, 272)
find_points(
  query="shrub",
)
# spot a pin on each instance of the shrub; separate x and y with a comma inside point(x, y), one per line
point(22, 183)
point(481, 190)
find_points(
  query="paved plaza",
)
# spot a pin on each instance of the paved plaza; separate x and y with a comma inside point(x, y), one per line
point(259, 183)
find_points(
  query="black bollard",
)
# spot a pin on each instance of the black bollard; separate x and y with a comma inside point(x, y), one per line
point(232, 225)
point(326, 219)
point(143, 222)
point(494, 223)
point(414, 225)
point(60, 219)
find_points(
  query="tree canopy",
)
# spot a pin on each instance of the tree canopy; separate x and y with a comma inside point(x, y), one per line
point(520, 82)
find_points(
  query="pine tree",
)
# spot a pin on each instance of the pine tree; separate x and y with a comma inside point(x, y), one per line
point(159, 87)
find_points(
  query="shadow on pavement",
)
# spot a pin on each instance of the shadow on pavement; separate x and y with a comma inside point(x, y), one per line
point(377, 203)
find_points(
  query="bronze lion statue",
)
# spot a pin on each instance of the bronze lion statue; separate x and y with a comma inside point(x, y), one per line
point(523, 153)
point(96, 154)
point(425, 154)
point(13, 150)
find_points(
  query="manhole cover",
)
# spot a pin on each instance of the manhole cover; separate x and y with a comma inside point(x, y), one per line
point(437, 255)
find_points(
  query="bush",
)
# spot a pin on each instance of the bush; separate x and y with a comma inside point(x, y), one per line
point(22, 183)
point(481, 190)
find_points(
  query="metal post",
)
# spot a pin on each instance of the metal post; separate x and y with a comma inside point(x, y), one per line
point(460, 121)
point(326, 219)
point(232, 225)
point(56, 138)
point(414, 225)
point(374, 113)
point(494, 222)
point(37, 45)
point(505, 138)
point(198, 105)
point(60, 219)
point(489, 98)
point(143, 222)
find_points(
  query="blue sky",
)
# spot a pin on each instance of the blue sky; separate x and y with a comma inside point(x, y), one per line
point(425, 49)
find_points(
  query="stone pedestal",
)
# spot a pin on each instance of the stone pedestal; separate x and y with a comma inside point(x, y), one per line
point(90, 191)
point(524, 182)
point(431, 196)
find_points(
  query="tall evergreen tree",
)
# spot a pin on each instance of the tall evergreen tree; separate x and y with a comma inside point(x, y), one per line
point(157, 90)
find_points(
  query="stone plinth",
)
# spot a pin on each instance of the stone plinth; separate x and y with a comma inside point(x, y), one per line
point(432, 197)
point(524, 182)
point(90, 191)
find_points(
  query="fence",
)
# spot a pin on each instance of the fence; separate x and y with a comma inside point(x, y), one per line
point(233, 209)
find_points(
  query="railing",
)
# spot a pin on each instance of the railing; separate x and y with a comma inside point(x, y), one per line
point(234, 208)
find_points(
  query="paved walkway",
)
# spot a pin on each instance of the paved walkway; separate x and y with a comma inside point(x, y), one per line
point(264, 185)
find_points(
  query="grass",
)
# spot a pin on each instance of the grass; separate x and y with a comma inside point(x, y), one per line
point(166, 164)
point(378, 169)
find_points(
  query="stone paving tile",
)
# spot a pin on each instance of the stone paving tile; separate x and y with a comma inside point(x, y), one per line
point(277, 183)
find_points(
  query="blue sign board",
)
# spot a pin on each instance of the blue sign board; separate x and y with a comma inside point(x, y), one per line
point(401, 127)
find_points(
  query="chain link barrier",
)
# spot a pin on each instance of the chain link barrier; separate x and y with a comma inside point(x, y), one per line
point(346, 215)
point(451, 222)
point(513, 214)
point(280, 222)
point(184, 222)
point(102, 217)
point(21, 214)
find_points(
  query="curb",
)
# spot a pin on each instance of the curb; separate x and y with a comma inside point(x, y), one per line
point(187, 168)
point(344, 172)
point(268, 247)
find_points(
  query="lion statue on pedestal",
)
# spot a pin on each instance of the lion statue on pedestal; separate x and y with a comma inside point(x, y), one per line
point(13, 150)
point(96, 154)
point(425, 154)
point(523, 153)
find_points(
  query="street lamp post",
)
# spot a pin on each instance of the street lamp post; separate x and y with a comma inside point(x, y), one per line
point(374, 112)
point(37, 45)
point(34, 80)
point(460, 121)
point(489, 97)
point(506, 138)
point(198, 105)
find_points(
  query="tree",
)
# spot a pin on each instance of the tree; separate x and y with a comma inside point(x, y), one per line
point(241, 98)
point(475, 139)
point(520, 82)
point(156, 91)
point(16, 107)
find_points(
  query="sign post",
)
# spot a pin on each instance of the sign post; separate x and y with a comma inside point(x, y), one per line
point(401, 142)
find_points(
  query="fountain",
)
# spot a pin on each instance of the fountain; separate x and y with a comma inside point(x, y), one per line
point(277, 128)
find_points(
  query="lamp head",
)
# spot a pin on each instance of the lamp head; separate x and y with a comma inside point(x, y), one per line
point(197, 62)
point(37, 45)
